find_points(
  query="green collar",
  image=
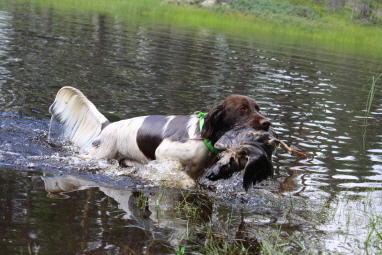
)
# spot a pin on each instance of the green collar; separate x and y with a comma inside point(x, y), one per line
point(206, 142)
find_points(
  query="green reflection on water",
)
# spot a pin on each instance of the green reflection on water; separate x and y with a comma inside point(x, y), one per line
point(328, 33)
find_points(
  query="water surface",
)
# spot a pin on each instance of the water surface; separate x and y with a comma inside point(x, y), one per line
point(315, 98)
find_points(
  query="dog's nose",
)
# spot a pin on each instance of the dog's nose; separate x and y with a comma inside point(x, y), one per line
point(265, 124)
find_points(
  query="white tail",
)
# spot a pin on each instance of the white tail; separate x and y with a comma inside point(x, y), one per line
point(75, 118)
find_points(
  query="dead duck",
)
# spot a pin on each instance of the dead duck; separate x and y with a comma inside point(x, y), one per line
point(247, 149)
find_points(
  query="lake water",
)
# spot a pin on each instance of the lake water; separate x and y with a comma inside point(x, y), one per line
point(315, 98)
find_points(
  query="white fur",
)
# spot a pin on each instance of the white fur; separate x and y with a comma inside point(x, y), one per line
point(80, 119)
point(118, 141)
point(75, 118)
point(193, 154)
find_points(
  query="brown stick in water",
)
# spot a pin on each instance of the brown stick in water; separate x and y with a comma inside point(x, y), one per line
point(291, 150)
point(298, 153)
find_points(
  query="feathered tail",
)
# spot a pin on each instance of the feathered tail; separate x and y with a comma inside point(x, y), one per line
point(75, 118)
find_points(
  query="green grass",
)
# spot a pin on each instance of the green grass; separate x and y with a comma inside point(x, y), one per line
point(201, 236)
point(373, 88)
point(301, 23)
point(370, 98)
point(273, 242)
point(353, 217)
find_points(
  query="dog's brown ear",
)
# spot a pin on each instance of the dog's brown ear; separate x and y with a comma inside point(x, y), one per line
point(212, 120)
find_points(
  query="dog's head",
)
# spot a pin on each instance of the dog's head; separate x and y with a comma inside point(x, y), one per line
point(235, 111)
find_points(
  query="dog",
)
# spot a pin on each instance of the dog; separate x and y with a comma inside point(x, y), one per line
point(142, 139)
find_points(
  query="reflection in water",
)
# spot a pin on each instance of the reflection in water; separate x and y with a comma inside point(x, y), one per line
point(143, 232)
point(6, 97)
point(354, 216)
point(165, 217)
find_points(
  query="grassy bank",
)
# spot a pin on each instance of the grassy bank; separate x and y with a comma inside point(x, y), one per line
point(309, 26)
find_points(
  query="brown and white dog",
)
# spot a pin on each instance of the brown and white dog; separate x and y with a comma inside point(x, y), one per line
point(154, 137)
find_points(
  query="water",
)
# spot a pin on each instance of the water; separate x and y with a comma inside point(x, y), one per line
point(315, 98)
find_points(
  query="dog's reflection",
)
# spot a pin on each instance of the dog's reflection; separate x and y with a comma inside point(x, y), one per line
point(164, 214)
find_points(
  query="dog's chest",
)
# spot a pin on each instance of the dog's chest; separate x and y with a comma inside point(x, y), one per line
point(193, 154)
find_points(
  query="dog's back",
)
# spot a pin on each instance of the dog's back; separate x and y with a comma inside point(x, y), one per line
point(139, 139)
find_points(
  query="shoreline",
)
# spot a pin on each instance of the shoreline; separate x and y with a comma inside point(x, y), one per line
point(323, 31)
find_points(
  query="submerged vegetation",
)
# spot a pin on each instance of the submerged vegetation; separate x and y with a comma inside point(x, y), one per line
point(350, 219)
